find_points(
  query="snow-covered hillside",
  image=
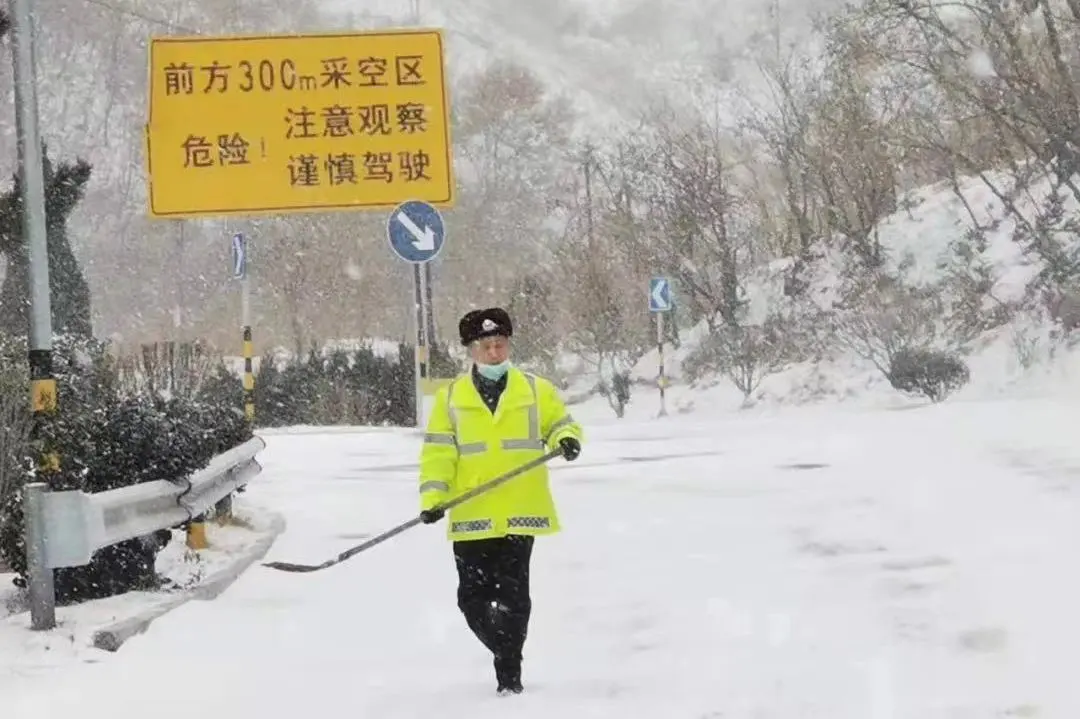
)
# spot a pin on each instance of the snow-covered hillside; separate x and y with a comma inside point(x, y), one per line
point(1024, 357)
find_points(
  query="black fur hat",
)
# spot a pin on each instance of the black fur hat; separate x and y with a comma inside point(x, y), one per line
point(485, 323)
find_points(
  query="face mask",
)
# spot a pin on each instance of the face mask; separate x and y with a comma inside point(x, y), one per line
point(493, 371)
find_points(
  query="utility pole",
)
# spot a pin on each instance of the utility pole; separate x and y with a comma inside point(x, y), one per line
point(42, 383)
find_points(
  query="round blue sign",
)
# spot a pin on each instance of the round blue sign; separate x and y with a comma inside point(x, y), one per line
point(416, 231)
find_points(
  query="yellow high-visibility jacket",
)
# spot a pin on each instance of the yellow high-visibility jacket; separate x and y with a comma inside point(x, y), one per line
point(466, 445)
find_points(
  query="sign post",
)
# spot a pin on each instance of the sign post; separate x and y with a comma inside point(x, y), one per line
point(660, 303)
point(240, 272)
point(416, 233)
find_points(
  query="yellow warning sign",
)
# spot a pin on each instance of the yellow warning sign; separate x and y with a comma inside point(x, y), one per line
point(273, 124)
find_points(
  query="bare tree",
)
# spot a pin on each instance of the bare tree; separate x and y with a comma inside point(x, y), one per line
point(1006, 70)
point(783, 128)
point(531, 304)
point(511, 134)
point(604, 320)
point(998, 101)
point(882, 318)
point(697, 211)
point(605, 330)
point(746, 354)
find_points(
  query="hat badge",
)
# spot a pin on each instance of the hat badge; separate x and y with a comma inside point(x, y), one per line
point(488, 325)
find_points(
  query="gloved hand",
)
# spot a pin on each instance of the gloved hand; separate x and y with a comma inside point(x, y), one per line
point(430, 516)
point(571, 448)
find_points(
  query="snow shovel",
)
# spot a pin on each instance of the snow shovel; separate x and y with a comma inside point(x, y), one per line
point(479, 489)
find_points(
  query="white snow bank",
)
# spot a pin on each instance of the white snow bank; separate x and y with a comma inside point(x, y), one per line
point(24, 652)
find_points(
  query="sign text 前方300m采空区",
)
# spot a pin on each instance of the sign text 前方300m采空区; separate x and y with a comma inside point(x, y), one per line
point(263, 125)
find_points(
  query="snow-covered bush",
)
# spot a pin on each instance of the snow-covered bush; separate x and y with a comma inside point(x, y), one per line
point(744, 354)
point(616, 390)
point(107, 439)
point(883, 317)
point(1035, 337)
point(14, 416)
point(343, 387)
point(931, 373)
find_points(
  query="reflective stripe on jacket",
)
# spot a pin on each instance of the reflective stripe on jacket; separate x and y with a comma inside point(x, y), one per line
point(466, 445)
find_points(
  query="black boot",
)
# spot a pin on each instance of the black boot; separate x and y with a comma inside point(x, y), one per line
point(508, 675)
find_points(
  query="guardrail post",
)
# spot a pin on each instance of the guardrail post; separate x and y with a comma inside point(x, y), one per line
point(39, 575)
point(223, 509)
point(196, 533)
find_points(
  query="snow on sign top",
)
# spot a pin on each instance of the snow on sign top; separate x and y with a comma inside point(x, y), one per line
point(253, 125)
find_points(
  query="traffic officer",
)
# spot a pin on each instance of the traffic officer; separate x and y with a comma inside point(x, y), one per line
point(484, 423)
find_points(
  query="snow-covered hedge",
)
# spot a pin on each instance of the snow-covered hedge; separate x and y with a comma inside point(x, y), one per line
point(105, 439)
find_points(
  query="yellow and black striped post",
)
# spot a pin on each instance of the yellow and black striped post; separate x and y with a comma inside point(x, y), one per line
point(196, 534)
point(43, 404)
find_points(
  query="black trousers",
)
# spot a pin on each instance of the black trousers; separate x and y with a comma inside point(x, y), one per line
point(493, 593)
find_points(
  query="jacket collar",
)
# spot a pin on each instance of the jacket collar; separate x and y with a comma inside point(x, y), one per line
point(518, 393)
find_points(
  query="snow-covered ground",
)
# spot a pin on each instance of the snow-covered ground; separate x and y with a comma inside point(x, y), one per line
point(832, 563)
point(24, 653)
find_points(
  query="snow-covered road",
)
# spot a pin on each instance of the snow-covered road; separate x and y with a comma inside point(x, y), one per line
point(814, 564)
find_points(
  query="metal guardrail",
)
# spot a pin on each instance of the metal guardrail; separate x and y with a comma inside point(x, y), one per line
point(65, 529)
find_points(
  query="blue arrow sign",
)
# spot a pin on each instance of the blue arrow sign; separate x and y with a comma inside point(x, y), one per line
point(659, 295)
point(239, 256)
point(416, 231)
